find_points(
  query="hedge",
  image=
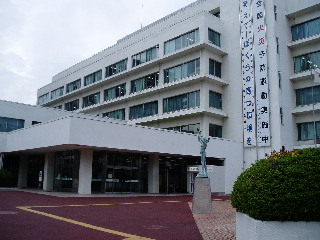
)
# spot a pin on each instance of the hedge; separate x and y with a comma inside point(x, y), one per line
point(6, 178)
point(283, 187)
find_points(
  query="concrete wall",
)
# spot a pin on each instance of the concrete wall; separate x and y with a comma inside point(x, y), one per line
point(250, 229)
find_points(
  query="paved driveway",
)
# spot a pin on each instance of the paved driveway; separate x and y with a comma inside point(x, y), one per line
point(25, 215)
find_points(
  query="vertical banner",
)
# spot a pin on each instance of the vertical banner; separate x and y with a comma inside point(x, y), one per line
point(261, 73)
point(247, 68)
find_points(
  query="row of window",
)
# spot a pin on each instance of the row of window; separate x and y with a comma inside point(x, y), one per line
point(305, 29)
point(150, 54)
point(10, 124)
point(302, 63)
point(182, 71)
point(304, 96)
point(171, 104)
point(182, 41)
point(180, 102)
point(150, 81)
point(214, 130)
point(306, 131)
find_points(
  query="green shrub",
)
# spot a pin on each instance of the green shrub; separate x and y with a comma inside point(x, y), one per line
point(6, 178)
point(282, 187)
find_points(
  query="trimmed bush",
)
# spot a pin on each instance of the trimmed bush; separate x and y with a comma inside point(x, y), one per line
point(6, 178)
point(282, 187)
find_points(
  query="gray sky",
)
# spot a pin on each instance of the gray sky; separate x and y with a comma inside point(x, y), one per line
point(40, 38)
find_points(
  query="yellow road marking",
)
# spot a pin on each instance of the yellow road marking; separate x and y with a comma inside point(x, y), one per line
point(127, 236)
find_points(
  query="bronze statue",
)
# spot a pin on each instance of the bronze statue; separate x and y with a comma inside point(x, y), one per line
point(204, 142)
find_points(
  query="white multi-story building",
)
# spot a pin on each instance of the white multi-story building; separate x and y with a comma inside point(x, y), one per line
point(240, 71)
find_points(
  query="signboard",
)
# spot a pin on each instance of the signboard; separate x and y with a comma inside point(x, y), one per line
point(196, 169)
point(256, 120)
point(261, 73)
point(248, 82)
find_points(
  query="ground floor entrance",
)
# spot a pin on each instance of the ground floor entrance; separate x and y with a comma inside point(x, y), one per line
point(107, 171)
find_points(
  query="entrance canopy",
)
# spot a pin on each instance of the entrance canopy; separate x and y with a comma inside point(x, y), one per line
point(87, 132)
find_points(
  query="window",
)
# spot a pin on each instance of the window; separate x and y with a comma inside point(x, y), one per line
point(215, 130)
point(275, 12)
point(116, 68)
point(10, 124)
point(191, 128)
point(73, 86)
point(143, 110)
point(306, 131)
point(215, 12)
point(278, 45)
point(306, 29)
point(214, 68)
point(215, 100)
point(115, 92)
point(43, 99)
point(91, 100)
point(145, 56)
point(184, 101)
point(182, 71)
point(146, 82)
point(57, 93)
point(304, 95)
point(182, 41)
point(214, 37)
point(92, 78)
point(117, 114)
point(72, 106)
point(279, 78)
point(281, 116)
point(301, 63)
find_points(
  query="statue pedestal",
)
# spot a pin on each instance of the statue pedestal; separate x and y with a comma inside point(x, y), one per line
point(201, 202)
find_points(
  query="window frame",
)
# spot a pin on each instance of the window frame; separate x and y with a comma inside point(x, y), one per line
point(213, 36)
point(94, 97)
point(92, 78)
point(175, 44)
point(116, 68)
point(181, 102)
point(75, 85)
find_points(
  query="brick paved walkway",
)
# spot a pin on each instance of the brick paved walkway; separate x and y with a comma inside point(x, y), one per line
point(220, 224)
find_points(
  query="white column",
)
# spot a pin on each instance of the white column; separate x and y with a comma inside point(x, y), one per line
point(23, 172)
point(48, 175)
point(153, 174)
point(85, 171)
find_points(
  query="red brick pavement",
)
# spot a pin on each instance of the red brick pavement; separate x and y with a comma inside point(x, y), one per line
point(218, 225)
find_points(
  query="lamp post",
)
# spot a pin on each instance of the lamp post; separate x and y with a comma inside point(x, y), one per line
point(312, 66)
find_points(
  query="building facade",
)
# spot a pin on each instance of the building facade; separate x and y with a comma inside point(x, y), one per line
point(188, 71)
point(242, 72)
point(58, 150)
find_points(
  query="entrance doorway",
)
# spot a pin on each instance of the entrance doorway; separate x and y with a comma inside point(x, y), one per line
point(35, 165)
point(66, 171)
point(119, 172)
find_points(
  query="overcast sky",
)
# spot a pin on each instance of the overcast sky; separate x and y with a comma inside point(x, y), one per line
point(40, 38)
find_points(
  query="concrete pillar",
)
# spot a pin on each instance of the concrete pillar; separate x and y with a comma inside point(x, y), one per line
point(153, 174)
point(85, 171)
point(48, 175)
point(23, 172)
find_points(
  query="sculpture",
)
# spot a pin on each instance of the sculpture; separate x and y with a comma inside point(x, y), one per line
point(204, 142)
